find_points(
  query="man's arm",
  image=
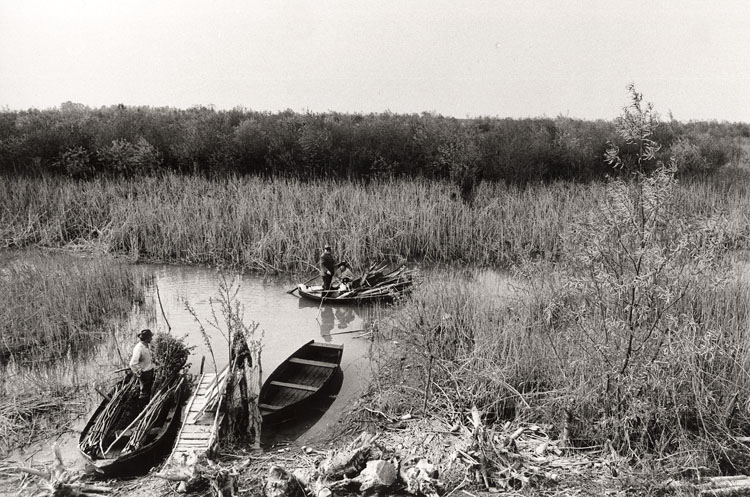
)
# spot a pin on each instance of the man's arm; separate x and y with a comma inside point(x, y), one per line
point(135, 360)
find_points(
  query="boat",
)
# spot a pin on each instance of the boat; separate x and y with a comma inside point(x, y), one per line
point(374, 286)
point(116, 440)
point(341, 295)
point(301, 379)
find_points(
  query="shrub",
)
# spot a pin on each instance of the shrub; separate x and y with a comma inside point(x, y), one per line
point(129, 159)
point(76, 162)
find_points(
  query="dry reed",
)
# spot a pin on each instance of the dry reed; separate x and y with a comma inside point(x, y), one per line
point(57, 306)
point(280, 224)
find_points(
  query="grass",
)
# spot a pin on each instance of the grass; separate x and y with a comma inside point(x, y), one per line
point(58, 309)
point(277, 225)
point(498, 353)
point(57, 306)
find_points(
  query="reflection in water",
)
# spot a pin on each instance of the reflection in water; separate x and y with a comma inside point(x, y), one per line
point(327, 322)
point(297, 425)
point(344, 316)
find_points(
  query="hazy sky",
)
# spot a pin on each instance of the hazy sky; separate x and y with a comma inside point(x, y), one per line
point(504, 58)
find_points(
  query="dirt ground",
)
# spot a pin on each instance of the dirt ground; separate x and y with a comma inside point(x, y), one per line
point(535, 466)
point(471, 460)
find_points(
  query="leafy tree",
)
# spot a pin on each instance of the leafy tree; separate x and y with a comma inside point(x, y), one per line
point(620, 319)
point(129, 159)
point(76, 162)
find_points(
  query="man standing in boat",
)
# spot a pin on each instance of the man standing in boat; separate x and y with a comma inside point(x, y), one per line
point(142, 366)
point(328, 266)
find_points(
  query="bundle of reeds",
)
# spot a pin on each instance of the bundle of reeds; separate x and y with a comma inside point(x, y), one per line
point(170, 354)
point(377, 280)
point(93, 441)
point(118, 421)
point(142, 425)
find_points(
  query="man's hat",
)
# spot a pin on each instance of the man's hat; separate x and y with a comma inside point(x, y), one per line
point(144, 334)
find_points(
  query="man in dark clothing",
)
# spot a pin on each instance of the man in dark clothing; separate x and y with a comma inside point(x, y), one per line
point(327, 267)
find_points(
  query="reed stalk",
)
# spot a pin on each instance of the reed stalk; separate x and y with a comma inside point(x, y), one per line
point(273, 225)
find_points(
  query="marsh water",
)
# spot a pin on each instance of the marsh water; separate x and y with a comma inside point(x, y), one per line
point(284, 323)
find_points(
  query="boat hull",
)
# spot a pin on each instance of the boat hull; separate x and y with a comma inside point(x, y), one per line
point(317, 294)
point(299, 381)
point(146, 456)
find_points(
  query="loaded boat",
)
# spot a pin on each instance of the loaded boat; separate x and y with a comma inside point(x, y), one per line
point(374, 286)
point(119, 440)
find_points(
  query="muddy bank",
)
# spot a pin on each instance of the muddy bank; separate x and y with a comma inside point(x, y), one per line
point(469, 459)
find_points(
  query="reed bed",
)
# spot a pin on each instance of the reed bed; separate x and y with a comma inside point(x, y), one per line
point(280, 224)
point(58, 308)
point(43, 401)
point(25, 418)
point(57, 305)
point(459, 345)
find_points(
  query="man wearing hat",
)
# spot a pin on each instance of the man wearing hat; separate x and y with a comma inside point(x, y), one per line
point(327, 267)
point(142, 366)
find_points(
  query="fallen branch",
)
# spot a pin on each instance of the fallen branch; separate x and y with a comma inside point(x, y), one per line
point(59, 481)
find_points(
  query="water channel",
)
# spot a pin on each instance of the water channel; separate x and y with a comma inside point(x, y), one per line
point(284, 323)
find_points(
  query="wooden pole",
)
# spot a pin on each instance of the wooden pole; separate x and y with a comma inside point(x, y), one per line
point(427, 387)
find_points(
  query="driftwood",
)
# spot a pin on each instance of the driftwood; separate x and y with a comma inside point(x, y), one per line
point(58, 481)
point(737, 485)
point(352, 460)
point(199, 469)
point(281, 483)
point(360, 467)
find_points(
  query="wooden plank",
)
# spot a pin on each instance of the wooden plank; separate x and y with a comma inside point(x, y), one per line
point(327, 345)
point(203, 446)
point(192, 443)
point(269, 407)
point(309, 362)
point(296, 386)
point(197, 429)
point(196, 434)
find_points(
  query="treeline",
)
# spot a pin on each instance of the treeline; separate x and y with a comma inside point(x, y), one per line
point(81, 142)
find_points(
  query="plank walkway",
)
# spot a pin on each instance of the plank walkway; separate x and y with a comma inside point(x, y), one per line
point(199, 426)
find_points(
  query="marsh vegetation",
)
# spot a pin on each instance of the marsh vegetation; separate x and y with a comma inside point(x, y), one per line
point(627, 328)
point(59, 309)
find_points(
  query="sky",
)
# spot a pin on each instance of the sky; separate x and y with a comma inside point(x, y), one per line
point(501, 58)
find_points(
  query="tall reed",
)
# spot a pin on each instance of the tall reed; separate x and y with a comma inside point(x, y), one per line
point(57, 305)
point(504, 354)
point(56, 309)
point(280, 224)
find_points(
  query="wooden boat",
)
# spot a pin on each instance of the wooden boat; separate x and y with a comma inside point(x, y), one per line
point(299, 380)
point(373, 286)
point(131, 441)
point(341, 295)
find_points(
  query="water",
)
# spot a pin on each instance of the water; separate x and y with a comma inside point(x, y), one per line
point(285, 322)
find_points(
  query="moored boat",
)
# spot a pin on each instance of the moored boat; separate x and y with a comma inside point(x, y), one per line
point(301, 379)
point(116, 440)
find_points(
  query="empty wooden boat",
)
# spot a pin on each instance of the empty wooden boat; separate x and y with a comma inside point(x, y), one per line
point(302, 378)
